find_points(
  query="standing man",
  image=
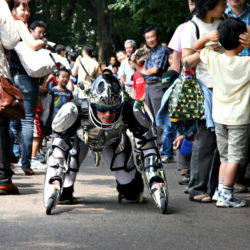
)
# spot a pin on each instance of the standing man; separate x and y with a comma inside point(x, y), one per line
point(9, 38)
point(125, 71)
point(241, 9)
point(154, 66)
point(121, 55)
point(38, 30)
point(86, 68)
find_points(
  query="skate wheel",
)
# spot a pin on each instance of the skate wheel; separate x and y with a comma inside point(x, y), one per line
point(141, 199)
point(49, 207)
point(97, 159)
point(86, 138)
point(120, 198)
point(123, 139)
point(164, 205)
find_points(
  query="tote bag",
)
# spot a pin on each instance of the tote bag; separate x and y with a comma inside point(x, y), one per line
point(37, 63)
point(186, 100)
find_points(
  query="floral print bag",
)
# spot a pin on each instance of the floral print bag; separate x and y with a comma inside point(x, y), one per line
point(186, 100)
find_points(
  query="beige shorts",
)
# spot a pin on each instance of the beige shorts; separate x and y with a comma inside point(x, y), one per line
point(232, 142)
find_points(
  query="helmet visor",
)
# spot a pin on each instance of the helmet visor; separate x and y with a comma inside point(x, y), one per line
point(103, 109)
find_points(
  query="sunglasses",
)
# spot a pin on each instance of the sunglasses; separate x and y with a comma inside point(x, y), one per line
point(105, 109)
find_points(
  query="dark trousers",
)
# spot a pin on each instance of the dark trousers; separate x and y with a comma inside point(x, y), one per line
point(5, 171)
point(153, 96)
point(205, 162)
point(240, 178)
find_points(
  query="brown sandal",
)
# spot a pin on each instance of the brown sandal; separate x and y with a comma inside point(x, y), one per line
point(201, 198)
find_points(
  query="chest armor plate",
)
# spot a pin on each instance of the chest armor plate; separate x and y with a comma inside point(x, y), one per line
point(97, 138)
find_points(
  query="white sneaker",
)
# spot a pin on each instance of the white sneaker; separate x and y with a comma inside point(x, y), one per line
point(216, 195)
point(230, 201)
point(40, 157)
point(37, 164)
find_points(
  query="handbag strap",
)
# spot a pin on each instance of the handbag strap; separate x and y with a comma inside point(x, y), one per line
point(197, 29)
point(84, 68)
point(185, 68)
point(91, 79)
point(52, 57)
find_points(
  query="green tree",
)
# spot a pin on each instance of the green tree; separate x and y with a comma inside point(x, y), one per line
point(106, 24)
point(166, 15)
point(76, 23)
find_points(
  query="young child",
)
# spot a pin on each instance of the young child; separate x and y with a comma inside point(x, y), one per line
point(138, 83)
point(231, 103)
point(115, 71)
point(60, 93)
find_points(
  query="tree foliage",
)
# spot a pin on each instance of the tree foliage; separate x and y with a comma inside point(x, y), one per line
point(166, 15)
point(106, 24)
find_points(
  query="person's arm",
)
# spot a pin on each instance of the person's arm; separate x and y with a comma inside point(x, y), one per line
point(245, 38)
point(175, 45)
point(48, 79)
point(8, 32)
point(212, 36)
point(142, 70)
point(122, 73)
point(146, 72)
point(192, 57)
point(142, 98)
point(176, 64)
point(177, 142)
point(189, 133)
point(27, 37)
point(74, 71)
point(189, 36)
point(123, 79)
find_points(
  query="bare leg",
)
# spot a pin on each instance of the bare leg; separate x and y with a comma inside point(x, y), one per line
point(35, 146)
point(230, 173)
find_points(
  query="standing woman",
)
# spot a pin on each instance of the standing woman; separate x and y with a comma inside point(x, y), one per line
point(8, 39)
point(208, 15)
point(29, 86)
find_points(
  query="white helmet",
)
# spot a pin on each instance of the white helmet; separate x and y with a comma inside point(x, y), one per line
point(106, 94)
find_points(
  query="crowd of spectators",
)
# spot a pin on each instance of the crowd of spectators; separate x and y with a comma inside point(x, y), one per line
point(206, 170)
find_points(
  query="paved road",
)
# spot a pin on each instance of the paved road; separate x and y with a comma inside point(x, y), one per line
point(99, 222)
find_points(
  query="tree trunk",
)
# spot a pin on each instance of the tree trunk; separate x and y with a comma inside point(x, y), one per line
point(104, 30)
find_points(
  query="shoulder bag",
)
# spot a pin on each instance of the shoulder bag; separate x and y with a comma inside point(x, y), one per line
point(186, 100)
point(11, 101)
point(37, 63)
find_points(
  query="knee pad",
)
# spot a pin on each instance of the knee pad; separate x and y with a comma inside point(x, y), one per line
point(58, 153)
point(132, 190)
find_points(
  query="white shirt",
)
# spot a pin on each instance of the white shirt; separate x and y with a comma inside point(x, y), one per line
point(231, 92)
point(189, 36)
point(63, 60)
point(91, 67)
point(8, 36)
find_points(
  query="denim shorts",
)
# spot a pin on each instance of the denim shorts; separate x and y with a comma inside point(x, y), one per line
point(232, 142)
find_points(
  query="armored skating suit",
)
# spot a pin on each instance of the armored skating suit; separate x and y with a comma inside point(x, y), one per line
point(76, 131)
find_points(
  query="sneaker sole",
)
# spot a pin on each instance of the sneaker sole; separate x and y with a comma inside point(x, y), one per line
point(229, 206)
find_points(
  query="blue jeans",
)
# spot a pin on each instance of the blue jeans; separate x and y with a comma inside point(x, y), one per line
point(168, 137)
point(15, 129)
point(30, 89)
